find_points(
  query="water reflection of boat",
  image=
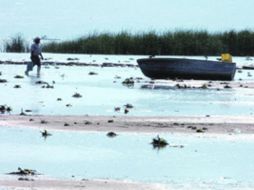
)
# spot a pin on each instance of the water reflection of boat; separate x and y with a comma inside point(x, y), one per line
point(171, 68)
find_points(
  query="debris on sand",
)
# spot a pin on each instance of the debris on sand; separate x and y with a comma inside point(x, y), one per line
point(44, 122)
point(111, 121)
point(66, 124)
point(204, 86)
point(111, 134)
point(25, 179)
point(227, 86)
point(87, 122)
point(200, 131)
point(159, 142)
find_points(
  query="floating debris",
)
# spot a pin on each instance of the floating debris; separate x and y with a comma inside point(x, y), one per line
point(117, 77)
point(129, 82)
point(176, 146)
point(68, 105)
point(24, 172)
point(45, 133)
point(72, 59)
point(77, 95)
point(4, 108)
point(18, 77)
point(126, 111)
point(40, 82)
point(47, 86)
point(92, 73)
point(248, 58)
point(159, 142)
point(117, 109)
point(17, 86)
point(111, 121)
point(129, 106)
point(3, 81)
point(111, 134)
point(22, 113)
point(59, 99)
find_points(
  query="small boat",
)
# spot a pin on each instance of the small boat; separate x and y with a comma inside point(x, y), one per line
point(172, 68)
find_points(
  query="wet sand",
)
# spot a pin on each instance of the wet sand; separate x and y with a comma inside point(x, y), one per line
point(184, 125)
point(42, 184)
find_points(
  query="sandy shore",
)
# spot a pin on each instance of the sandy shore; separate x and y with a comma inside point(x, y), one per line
point(42, 184)
point(171, 124)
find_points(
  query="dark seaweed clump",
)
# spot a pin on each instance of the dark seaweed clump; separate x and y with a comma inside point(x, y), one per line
point(159, 142)
point(4, 108)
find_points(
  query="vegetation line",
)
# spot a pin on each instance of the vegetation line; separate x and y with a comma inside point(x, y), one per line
point(182, 42)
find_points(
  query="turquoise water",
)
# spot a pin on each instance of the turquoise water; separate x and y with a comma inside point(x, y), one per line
point(102, 92)
point(129, 156)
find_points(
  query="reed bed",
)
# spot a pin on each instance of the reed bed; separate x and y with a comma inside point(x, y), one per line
point(16, 44)
point(181, 42)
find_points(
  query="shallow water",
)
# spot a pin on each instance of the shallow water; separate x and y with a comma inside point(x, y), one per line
point(214, 161)
point(102, 92)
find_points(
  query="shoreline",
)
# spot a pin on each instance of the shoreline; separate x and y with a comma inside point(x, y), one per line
point(212, 125)
point(58, 184)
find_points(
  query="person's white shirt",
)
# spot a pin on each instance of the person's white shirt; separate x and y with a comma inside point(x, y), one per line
point(36, 49)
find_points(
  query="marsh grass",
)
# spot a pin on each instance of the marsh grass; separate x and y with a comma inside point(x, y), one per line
point(16, 44)
point(182, 42)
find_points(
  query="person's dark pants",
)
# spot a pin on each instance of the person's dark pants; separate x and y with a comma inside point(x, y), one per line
point(35, 61)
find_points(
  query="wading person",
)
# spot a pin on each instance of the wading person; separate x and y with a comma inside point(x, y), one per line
point(35, 57)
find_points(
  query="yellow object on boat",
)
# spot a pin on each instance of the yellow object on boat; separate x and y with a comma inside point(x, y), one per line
point(226, 57)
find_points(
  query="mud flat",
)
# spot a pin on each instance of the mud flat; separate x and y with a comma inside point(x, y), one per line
point(173, 124)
